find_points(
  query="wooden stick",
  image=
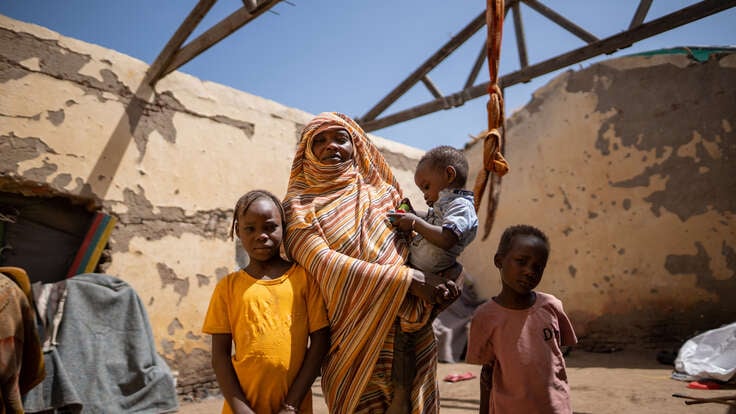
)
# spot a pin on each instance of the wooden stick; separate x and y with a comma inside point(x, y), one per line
point(725, 402)
point(728, 400)
point(722, 397)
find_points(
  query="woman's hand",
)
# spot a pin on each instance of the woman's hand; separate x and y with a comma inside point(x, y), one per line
point(432, 288)
point(419, 286)
point(453, 277)
point(447, 296)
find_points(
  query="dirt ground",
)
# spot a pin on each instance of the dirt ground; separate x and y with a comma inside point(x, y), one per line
point(629, 381)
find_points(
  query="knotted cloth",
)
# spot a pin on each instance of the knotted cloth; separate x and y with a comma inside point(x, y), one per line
point(494, 164)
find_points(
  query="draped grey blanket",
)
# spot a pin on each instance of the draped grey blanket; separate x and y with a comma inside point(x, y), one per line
point(451, 325)
point(103, 359)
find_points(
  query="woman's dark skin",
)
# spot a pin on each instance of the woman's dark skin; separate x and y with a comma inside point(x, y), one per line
point(333, 146)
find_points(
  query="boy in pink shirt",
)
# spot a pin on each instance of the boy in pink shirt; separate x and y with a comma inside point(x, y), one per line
point(517, 336)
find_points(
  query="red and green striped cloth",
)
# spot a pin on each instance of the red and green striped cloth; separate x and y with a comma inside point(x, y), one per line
point(91, 248)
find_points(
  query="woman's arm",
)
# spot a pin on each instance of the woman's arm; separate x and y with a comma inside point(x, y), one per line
point(364, 285)
point(319, 343)
point(453, 277)
point(440, 289)
point(339, 272)
point(225, 374)
point(433, 288)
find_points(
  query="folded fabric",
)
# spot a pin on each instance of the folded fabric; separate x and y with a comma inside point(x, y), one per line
point(21, 362)
point(459, 377)
point(704, 385)
point(103, 358)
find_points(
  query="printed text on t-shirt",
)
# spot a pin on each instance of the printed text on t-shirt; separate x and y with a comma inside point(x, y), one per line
point(550, 333)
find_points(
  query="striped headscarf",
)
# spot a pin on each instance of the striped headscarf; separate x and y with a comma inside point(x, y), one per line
point(338, 229)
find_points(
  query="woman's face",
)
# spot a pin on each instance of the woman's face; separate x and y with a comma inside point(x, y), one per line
point(332, 146)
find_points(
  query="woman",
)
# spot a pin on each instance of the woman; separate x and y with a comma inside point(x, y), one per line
point(339, 194)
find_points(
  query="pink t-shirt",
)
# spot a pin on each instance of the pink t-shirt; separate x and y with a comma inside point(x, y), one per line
point(524, 348)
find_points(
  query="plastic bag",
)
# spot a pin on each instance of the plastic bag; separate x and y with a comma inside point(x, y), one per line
point(711, 354)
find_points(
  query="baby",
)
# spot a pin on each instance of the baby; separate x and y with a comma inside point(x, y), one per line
point(439, 236)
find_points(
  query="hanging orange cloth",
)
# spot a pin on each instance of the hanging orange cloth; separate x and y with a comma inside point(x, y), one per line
point(494, 164)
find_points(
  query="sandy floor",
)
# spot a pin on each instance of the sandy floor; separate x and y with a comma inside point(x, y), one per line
point(622, 382)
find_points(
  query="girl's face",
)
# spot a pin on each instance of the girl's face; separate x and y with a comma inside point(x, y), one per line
point(431, 180)
point(260, 230)
point(332, 146)
point(522, 267)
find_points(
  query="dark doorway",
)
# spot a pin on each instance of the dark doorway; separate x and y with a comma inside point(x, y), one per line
point(42, 235)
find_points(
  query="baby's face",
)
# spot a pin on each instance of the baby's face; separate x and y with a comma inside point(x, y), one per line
point(431, 181)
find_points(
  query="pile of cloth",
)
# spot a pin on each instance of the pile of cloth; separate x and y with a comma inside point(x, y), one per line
point(98, 350)
point(21, 361)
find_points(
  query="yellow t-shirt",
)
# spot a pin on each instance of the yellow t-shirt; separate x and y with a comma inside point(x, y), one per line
point(270, 322)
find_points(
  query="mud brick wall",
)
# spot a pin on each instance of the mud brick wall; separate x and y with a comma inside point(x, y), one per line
point(628, 166)
point(78, 123)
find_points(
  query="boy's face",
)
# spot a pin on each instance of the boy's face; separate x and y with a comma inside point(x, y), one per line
point(259, 230)
point(522, 267)
point(432, 180)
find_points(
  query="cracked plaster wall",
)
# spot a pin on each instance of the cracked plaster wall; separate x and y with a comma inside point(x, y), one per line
point(628, 166)
point(168, 163)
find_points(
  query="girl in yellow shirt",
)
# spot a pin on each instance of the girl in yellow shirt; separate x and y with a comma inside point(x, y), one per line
point(273, 312)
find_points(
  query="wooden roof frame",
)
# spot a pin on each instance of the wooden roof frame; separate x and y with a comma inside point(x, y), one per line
point(174, 55)
point(636, 31)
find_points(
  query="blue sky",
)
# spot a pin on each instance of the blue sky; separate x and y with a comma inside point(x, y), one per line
point(345, 55)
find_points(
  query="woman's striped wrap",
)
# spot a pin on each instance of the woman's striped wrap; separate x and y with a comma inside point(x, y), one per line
point(338, 229)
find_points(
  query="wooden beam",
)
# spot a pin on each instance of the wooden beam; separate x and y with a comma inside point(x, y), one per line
point(520, 39)
point(618, 41)
point(221, 30)
point(428, 65)
point(431, 87)
point(447, 102)
point(477, 65)
point(681, 17)
point(155, 71)
point(561, 21)
point(641, 13)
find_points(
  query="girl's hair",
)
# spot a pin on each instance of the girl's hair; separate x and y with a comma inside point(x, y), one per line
point(246, 200)
point(444, 156)
point(519, 230)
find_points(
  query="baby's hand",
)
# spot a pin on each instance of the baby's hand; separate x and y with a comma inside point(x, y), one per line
point(402, 220)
